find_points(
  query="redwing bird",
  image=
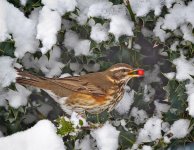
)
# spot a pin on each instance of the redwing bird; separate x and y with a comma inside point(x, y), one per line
point(94, 92)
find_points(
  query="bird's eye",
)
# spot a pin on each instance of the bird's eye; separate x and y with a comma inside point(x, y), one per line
point(123, 70)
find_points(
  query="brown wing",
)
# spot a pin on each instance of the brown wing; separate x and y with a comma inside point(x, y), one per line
point(86, 84)
point(79, 85)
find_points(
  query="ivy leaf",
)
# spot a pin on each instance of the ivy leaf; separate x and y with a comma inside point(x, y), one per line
point(173, 55)
point(98, 118)
point(177, 97)
point(7, 48)
point(126, 139)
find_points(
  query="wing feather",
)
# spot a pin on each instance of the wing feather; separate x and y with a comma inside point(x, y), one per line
point(79, 85)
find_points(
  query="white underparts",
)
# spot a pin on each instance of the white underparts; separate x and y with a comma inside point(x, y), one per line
point(61, 101)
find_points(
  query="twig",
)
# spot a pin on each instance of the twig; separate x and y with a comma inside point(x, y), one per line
point(128, 5)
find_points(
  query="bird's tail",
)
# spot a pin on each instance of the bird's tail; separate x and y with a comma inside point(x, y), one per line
point(26, 78)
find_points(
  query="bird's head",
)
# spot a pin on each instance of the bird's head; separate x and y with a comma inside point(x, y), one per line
point(123, 72)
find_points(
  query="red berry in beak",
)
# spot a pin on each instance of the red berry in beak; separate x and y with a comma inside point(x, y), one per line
point(140, 72)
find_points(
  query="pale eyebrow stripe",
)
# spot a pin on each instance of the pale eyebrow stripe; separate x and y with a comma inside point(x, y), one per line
point(114, 69)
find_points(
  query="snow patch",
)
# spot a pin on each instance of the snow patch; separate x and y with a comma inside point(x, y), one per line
point(8, 73)
point(99, 33)
point(106, 137)
point(151, 131)
point(62, 6)
point(179, 129)
point(140, 116)
point(40, 137)
point(184, 68)
point(50, 67)
point(48, 26)
point(121, 25)
point(22, 29)
point(80, 46)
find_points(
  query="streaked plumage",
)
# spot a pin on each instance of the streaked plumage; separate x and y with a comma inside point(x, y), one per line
point(94, 92)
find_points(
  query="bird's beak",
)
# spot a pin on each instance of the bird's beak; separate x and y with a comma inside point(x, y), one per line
point(136, 73)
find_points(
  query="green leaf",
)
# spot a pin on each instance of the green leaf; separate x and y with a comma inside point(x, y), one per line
point(98, 118)
point(177, 98)
point(81, 122)
point(7, 48)
point(64, 127)
point(126, 139)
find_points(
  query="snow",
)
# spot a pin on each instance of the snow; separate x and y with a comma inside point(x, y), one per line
point(23, 2)
point(50, 67)
point(169, 75)
point(187, 33)
point(184, 68)
point(19, 97)
point(40, 137)
point(34, 16)
point(62, 6)
point(76, 67)
point(75, 119)
point(173, 47)
point(159, 32)
point(3, 95)
point(179, 129)
point(106, 10)
point(92, 67)
point(140, 116)
point(99, 33)
point(136, 46)
point(8, 73)
point(48, 26)
point(161, 108)
point(146, 147)
point(24, 39)
point(16, 98)
point(124, 105)
point(85, 143)
point(143, 7)
point(83, 10)
point(190, 92)
point(80, 46)
point(169, 3)
point(148, 92)
point(179, 15)
point(146, 32)
point(106, 137)
point(4, 30)
point(165, 126)
point(151, 131)
point(121, 25)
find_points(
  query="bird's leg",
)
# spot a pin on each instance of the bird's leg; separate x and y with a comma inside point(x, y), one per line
point(82, 114)
point(96, 125)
